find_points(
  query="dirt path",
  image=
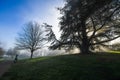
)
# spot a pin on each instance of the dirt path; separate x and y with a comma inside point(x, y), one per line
point(4, 66)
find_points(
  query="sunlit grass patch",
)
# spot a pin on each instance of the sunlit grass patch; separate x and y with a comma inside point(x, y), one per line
point(38, 59)
point(114, 52)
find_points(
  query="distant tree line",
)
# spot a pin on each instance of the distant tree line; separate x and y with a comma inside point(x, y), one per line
point(2, 51)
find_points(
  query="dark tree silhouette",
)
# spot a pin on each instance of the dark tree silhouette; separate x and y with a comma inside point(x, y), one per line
point(2, 51)
point(50, 36)
point(89, 23)
point(31, 38)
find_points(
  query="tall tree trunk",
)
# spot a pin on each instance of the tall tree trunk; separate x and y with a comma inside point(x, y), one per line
point(31, 54)
point(85, 42)
point(85, 47)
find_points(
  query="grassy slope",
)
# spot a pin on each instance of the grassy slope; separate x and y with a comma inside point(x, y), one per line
point(68, 67)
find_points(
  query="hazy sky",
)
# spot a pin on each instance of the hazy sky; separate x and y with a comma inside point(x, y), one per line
point(15, 13)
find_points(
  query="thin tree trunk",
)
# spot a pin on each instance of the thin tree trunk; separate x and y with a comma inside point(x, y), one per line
point(31, 54)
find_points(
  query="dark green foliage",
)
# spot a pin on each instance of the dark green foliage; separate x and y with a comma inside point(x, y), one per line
point(67, 67)
point(87, 24)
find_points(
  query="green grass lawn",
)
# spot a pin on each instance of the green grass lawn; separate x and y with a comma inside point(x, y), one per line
point(67, 67)
point(1, 59)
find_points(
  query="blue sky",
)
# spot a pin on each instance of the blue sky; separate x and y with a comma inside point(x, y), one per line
point(15, 13)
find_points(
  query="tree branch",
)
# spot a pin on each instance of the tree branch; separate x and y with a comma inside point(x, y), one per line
point(105, 41)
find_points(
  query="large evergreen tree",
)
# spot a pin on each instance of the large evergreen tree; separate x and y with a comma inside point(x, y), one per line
point(88, 23)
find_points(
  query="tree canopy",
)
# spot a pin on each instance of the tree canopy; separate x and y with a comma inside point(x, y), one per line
point(87, 24)
point(31, 38)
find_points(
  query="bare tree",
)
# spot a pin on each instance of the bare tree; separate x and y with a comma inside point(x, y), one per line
point(31, 38)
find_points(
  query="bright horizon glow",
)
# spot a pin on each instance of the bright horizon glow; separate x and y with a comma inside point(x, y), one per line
point(15, 13)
